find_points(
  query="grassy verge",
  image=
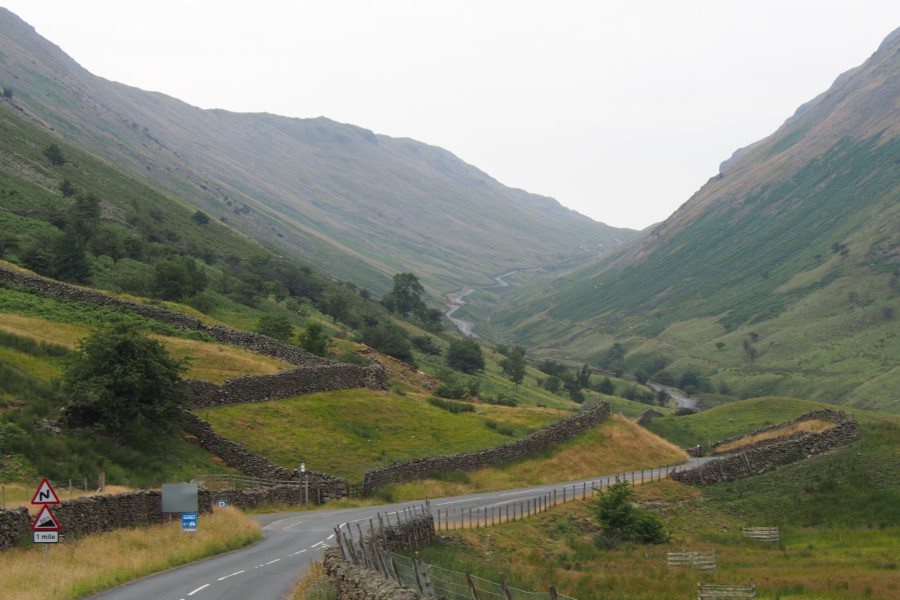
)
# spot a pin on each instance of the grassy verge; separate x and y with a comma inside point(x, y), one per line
point(347, 432)
point(98, 562)
point(314, 585)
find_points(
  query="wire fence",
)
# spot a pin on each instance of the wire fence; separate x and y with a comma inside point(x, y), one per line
point(414, 528)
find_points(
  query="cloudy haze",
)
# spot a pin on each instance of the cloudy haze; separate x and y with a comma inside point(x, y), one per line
point(619, 110)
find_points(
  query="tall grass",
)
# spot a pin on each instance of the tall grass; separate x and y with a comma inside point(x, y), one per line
point(98, 562)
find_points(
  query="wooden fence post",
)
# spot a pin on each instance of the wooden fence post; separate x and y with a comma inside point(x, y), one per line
point(471, 586)
point(553, 594)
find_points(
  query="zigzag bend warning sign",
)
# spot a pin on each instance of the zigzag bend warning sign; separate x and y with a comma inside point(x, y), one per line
point(45, 528)
point(45, 494)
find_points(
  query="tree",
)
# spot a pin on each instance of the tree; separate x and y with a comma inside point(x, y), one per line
point(623, 521)
point(124, 383)
point(8, 92)
point(275, 326)
point(584, 376)
point(69, 261)
point(201, 218)
point(406, 295)
point(607, 387)
point(315, 339)
point(55, 154)
point(177, 278)
point(514, 365)
point(336, 304)
point(390, 340)
point(465, 355)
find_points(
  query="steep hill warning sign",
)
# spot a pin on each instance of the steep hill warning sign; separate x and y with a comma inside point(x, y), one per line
point(46, 521)
point(45, 494)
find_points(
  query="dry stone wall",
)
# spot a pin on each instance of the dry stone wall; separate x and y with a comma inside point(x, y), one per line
point(14, 527)
point(767, 456)
point(285, 384)
point(357, 583)
point(238, 457)
point(538, 441)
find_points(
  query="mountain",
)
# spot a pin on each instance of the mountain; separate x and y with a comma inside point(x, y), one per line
point(354, 204)
point(780, 275)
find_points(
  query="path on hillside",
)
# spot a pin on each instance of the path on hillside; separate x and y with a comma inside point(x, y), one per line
point(293, 541)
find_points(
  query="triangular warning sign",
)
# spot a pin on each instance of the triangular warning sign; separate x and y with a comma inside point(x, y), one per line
point(45, 494)
point(46, 521)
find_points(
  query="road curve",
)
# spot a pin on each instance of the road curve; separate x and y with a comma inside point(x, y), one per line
point(293, 541)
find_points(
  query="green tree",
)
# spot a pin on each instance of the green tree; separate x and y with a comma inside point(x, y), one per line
point(390, 340)
point(607, 387)
point(315, 339)
point(55, 154)
point(69, 261)
point(465, 355)
point(623, 521)
point(336, 304)
point(124, 383)
point(514, 365)
point(177, 278)
point(275, 326)
point(406, 295)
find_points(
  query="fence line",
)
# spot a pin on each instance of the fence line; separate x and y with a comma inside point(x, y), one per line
point(724, 591)
point(763, 534)
point(372, 551)
point(702, 560)
point(448, 519)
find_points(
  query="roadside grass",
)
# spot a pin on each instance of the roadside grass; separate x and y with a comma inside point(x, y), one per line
point(730, 420)
point(839, 516)
point(314, 585)
point(82, 567)
point(616, 446)
point(348, 432)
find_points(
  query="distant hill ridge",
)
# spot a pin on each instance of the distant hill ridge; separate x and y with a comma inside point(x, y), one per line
point(356, 205)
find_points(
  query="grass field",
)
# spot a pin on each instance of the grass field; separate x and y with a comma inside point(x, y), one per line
point(839, 516)
point(98, 562)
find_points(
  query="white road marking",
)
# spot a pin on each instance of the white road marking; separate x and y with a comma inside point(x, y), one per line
point(330, 537)
point(271, 561)
point(227, 576)
point(319, 544)
point(202, 587)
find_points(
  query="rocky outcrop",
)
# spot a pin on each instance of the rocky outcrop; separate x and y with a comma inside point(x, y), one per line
point(538, 441)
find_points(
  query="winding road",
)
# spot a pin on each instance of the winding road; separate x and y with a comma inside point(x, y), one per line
point(293, 541)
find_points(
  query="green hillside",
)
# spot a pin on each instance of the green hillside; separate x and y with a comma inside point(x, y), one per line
point(780, 276)
point(353, 204)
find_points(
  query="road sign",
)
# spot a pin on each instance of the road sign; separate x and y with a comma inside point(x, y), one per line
point(46, 537)
point(189, 522)
point(46, 521)
point(221, 503)
point(45, 494)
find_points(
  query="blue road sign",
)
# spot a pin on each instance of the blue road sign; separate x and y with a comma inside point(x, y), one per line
point(189, 522)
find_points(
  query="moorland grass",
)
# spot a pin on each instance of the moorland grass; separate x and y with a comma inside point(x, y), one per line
point(348, 432)
point(94, 563)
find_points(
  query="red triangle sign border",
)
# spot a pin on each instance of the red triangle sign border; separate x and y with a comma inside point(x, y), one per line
point(45, 494)
point(42, 517)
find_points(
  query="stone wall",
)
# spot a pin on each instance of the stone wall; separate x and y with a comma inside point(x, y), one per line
point(357, 583)
point(238, 457)
point(767, 456)
point(538, 441)
point(254, 342)
point(360, 583)
point(285, 384)
point(15, 525)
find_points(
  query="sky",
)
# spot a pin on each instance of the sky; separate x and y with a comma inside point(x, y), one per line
point(618, 109)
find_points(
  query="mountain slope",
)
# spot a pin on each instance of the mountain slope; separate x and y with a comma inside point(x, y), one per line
point(794, 248)
point(357, 205)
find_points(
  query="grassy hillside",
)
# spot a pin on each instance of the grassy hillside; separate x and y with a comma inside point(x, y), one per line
point(780, 276)
point(838, 515)
point(356, 205)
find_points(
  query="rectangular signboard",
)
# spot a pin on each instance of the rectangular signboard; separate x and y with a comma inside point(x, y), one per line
point(46, 537)
point(189, 521)
point(179, 497)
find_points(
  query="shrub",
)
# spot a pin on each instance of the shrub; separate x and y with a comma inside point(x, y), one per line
point(451, 406)
point(622, 520)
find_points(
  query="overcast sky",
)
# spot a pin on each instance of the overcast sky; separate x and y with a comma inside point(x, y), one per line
point(619, 109)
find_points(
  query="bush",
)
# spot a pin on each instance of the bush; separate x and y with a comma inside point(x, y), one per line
point(426, 345)
point(124, 383)
point(623, 521)
point(451, 406)
point(465, 356)
point(275, 326)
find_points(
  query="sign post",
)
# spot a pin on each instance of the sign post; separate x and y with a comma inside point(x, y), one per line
point(189, 522)
point(45, 529)
point(305, 483)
